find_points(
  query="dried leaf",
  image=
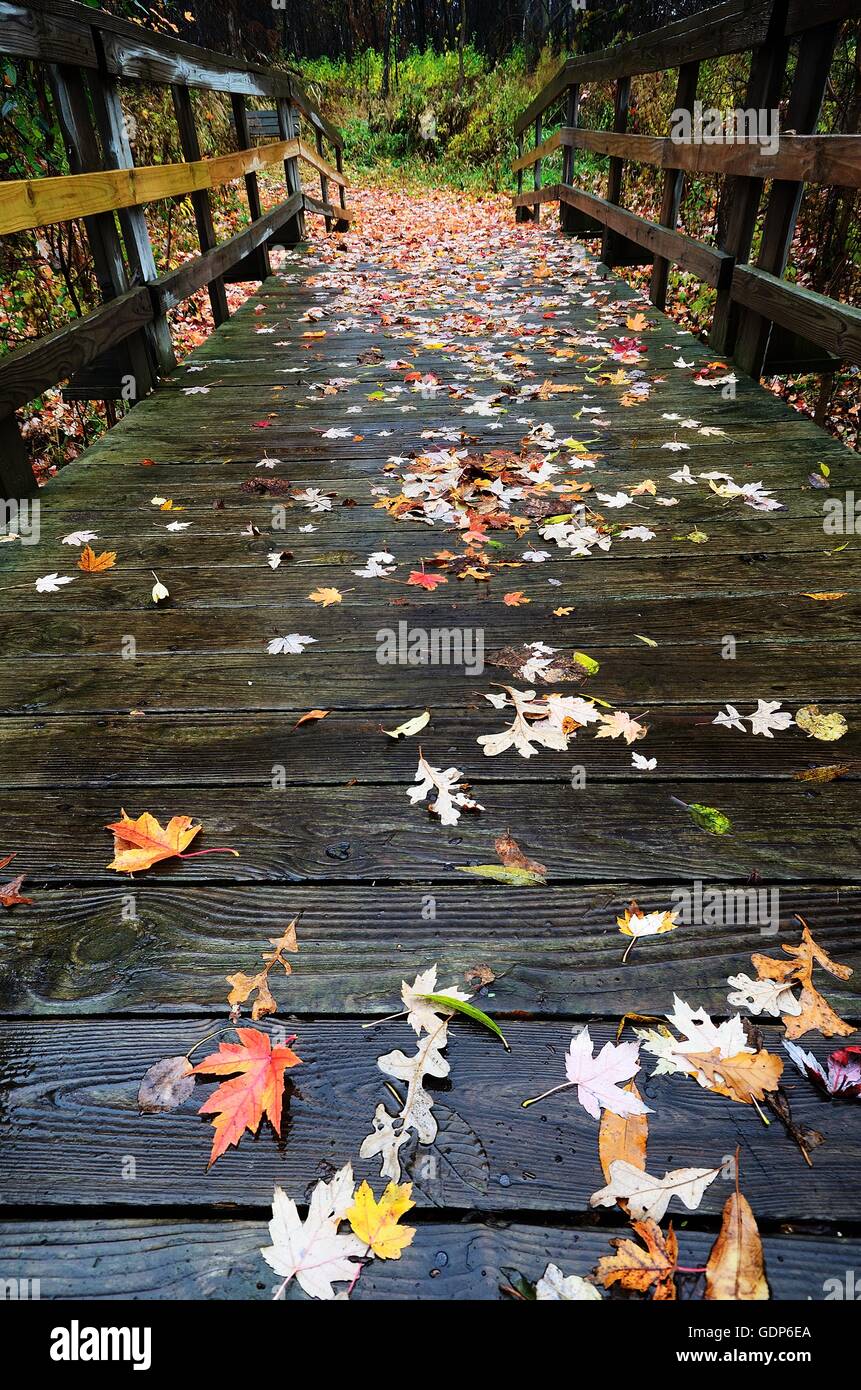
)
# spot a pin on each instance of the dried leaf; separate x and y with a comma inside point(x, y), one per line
point(241, 1103)
point(647, 1197)
point(92, 563)
point(376, 1223)
point(311, 717)
point(623, 1137)
point(815, 1012)
point(643, 1267)
point(745, 1077)
point(826, 727)
point(166, 1085)
point(735, 1268)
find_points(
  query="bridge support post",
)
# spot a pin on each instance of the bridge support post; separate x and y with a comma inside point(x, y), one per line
point(294, 230)
point(200, 199)
point(674, 182)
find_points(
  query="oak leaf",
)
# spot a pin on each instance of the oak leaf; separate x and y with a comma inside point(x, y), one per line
point(648, 1197)
point(815, 1012)
point(745, 1077)
point(376, 1223)
point(243, 986)
point(241, 1103)
point(643, 1267)
point(10, 893)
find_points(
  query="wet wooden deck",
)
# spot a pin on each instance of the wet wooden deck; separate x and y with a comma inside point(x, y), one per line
point(102, 977)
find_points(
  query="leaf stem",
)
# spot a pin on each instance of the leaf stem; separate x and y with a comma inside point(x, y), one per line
point(565, 1086)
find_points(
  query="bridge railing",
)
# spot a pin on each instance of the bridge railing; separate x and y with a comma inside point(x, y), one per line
point(764, 322)
point(120, 349)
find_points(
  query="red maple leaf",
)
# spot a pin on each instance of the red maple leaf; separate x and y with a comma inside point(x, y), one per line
point(241, 1103)
point(426, 581)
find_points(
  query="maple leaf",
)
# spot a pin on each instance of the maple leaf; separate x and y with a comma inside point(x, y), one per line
point(735, 1268)
point(635, 923)
point(648, 1197)
point(10, 893)
point(241, 1103)
point(313, 1251)
point(92, 563)
point(138, 844)
point(425, 580)
point(515, 599)
point(814, 1012)
point(292, 645)
point(50, 583)
point(621, 725)
point(376, 1223)
point(640, 1267)
point(597, 1078)
point(326, 596)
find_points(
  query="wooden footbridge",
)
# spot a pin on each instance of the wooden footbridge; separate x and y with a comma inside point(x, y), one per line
point(302, 451)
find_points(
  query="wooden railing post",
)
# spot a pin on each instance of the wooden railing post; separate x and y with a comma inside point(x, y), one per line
point(200, 199)
point(293, 230)
point(324, 182)
point(611, 246)
point(104, 92)
point(521, 214)
point(342, 225)
point(79, 135)
point(805, 104)
point(260, 258)
point(740, 196)
point(536, 168)
point(674, 182)
point(17, 478)
point(572, 115)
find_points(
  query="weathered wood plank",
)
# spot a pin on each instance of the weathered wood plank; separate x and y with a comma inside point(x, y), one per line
point(73, 1085)
point(217, 1259)
point(149, 949)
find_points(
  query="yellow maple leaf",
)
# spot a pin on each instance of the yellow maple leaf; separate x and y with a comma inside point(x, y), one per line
point(376, 1223)
point(138, 844)
point(325, 596)
point(92, 563)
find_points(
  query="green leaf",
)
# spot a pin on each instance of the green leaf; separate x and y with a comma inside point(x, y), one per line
point(709, 818)
point(509, 873)
point(461, 1006)
point(588, 663)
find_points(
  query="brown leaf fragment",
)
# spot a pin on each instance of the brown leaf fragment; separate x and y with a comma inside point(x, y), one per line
point(512, 855)
point(478, 977)
point(643, 1267)
point(311, 716)
point(242, 986)
point(166, 1085)
point(563, 668)
point(822, 774)
point(623, 1137)
point(735, 1269)
point(816, 1013)
point(10, 893)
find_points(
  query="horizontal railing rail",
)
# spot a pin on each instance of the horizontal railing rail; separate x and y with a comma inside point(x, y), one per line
point(90, 56)
point(764, 322)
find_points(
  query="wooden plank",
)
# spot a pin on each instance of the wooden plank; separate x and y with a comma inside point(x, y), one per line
point(78, 1088)
point(25, 33)
point(218, 1258)
point(26, 203)
point(835, 326)
point(712, 266)
point(555, 951)
point(614, 831)
point(32, 369)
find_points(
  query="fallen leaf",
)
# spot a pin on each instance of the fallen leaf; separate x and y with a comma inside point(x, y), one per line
point(822, 774)
point(511, 874)
point(623, 1137)
point(311, 716)
point(241, 1103)
point(425, 580)
point(312, 1251)
point(554, 1286)
point(410, 726)
point(597, 1078)
point(326, 596)
point(138, 844)
point(643, 1267)
point(735, 1268)
point(841, 1075)
point(515, 599)
point(10, 893)
point(826, 727)
point(376, 1223)
point(745, 1077)
point(510, 853)
point(815, 1012)
point(243, 986)
point(166, 1085)
point(92, 563)
point(647, 1198)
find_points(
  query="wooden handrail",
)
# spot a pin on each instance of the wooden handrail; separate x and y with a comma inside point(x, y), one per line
point(751, 300)
point(89, 54)
point(825, 159)
point(28, 203)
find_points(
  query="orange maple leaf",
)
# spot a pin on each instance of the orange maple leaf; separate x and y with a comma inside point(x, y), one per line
point(92, 563)
point(515, 598)
point(426, 581)
point(240, 1104)
point(138, 844)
